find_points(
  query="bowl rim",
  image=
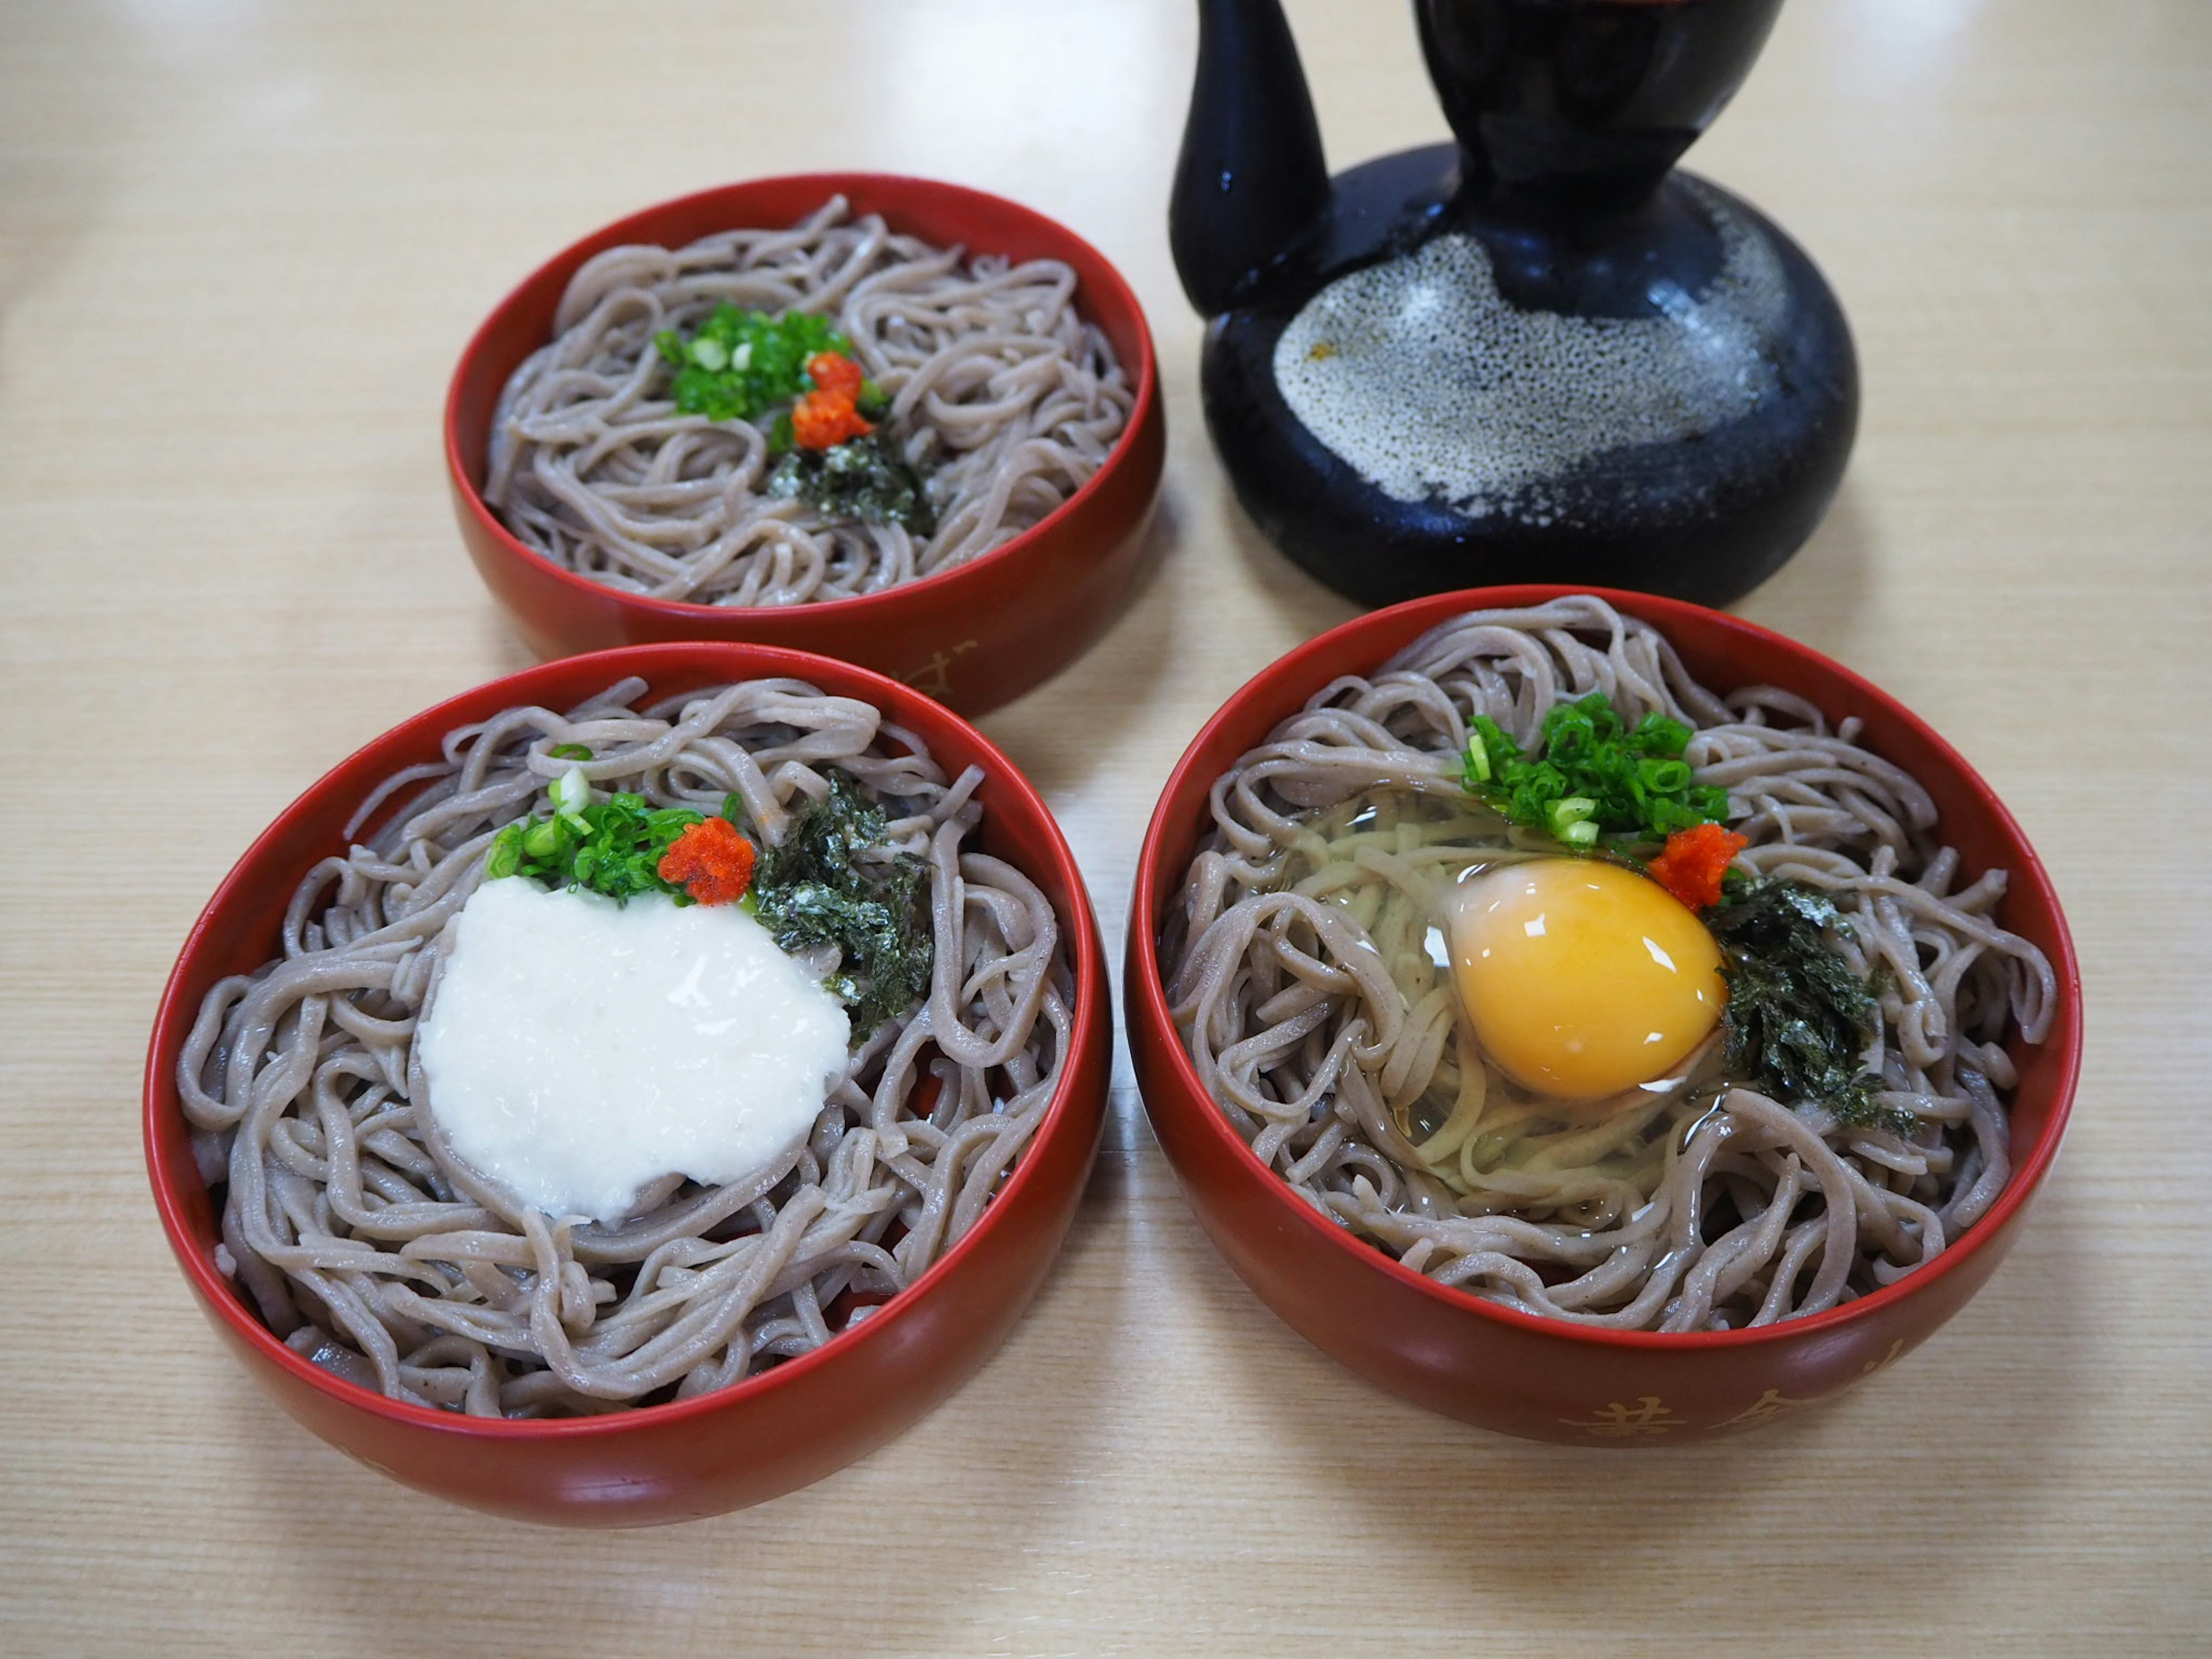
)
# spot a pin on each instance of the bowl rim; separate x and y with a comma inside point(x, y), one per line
point(898, 704)
point(859, 608)
point(1145, 994)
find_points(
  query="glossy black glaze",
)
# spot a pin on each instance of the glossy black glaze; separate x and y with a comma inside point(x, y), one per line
point(1571, 114)
point(1575, 105)
point(1250, 175)
point(1705, 519)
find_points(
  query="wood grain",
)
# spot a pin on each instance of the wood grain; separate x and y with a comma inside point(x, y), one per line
point(240, 244)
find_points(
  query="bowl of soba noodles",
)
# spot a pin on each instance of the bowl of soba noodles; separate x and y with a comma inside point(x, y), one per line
point(891, 420)
point(1594, 1018)
point(636, 1087)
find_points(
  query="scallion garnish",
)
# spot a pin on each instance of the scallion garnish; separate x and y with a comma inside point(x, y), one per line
point(571, 792)
point(1592, 775)
point(737, 365)
point(612, 847)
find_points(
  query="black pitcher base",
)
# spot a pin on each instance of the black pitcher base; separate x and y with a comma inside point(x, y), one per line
point(1718, 357)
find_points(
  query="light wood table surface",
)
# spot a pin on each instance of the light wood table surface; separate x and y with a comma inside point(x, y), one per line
point(241, 243)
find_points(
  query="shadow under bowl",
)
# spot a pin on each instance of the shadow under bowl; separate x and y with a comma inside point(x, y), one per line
point(771, 1432)
point(975, 637)
point(1546, 1379)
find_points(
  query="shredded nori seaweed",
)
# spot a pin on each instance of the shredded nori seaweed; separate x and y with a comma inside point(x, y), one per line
point(813, 889)
point(1798, 1018)
point(861, 478)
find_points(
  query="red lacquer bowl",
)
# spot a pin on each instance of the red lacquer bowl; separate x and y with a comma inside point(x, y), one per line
point(1547, 1379)
point(974, 637)
point(774, 1432)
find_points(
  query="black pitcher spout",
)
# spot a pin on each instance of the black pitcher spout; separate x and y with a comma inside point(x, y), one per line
point(1251, 175)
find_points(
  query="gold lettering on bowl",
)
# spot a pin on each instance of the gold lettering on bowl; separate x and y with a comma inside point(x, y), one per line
point(1772, 1403)
point(934, 677)
point(1650, 1415)
point(1874, 1365)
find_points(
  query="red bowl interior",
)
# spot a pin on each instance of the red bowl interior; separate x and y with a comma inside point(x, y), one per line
point(973, 636)
point(770, 1432)
point(1237, 1196)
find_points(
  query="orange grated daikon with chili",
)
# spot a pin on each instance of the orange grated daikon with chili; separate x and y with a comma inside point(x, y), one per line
point(828, 415)
point(711, 861)
point(1693, 861)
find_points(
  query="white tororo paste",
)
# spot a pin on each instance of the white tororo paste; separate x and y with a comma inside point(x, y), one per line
point(577, 1049)
point(1430, 384)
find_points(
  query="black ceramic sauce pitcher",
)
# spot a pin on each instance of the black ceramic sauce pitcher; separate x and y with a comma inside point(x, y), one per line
point(1539, 355)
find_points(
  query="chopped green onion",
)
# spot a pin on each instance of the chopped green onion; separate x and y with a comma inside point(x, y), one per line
point(1631, 782)
point(613, 847)
point(1582, 833)
point(570, 752)
point(738, 365)
point(506, 854)
point(1569, 813)
point(572, 793)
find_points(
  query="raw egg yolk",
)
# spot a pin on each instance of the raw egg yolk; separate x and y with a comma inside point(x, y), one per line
point(1582, 979)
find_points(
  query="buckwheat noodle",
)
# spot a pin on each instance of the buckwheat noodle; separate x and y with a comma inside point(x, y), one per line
point(1303, 982)
point(996, 382)
point(371, 1250)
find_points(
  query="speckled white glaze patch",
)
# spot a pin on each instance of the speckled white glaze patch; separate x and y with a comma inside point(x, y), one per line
point(1424, 379)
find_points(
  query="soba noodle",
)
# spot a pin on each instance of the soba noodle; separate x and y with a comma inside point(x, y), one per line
point(371, 1250)
point(998, 388)
point(1305, 984)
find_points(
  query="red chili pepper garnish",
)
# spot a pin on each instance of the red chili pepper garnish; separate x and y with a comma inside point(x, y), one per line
point(833, 371)
point(1693, 861)
point(711, 861)
point(829, 414)
point(823, 419)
